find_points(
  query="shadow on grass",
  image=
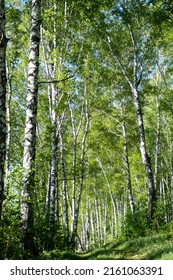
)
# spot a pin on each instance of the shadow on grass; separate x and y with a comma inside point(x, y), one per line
point(142, 248)
point(146, 248)
point(112, 251)
point(105, 253)
point(159, 254)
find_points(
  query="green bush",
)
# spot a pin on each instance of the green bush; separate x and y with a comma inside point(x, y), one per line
point(136, 224)
point(58, 255)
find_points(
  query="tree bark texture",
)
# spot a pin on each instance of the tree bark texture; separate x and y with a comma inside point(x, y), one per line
point(52, 68)
point(8, 118)
point(64, 190)
point(53, 214)
point(157, 146)
point(75, 218)
point(2, 101)
point(127, 165)
point(30, 131)
point(144, 155)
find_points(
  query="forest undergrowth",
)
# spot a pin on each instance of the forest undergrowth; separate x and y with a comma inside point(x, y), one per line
point(152, 245)
point(157, 247)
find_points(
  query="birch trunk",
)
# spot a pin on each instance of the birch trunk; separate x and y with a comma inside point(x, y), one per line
point(53, 192)
point(144, 155)
point(134, 83)
point(52, 187)
point(126, 159)
point(77, 201)
point(64, 190)
point(113, 200)
point(97, 222)
point(105, 221)
point(75, 132)
point(88, 224)
point(92, 230)
point(8, 119)
point(2, 101)
point(53, 182)
point(157, 146)
point(53, 95)
point(74, 162)
point(100, 222)
point(137, 76)
point(30, 132)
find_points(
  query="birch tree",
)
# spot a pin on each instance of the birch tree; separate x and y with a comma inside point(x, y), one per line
point(127, 165)
point(78, 186)
point(28, 183)
point(134, 80)
point(54, 52)
point(2, 101)
point(8, 117)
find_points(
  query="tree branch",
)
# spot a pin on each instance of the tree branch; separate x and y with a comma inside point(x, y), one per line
point(56, 81)
point(123, 70)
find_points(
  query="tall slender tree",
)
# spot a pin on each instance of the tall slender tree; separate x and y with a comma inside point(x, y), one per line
point(3, 42)
point(134, 80)
point(127, 165)
point(30, 132)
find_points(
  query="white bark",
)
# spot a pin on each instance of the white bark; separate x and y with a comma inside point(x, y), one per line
point(97, 222)
point(53, 213)
point(113, 200)
point(126, 159)
point(134, 84)
point(75, 132)
point(92, 230)
point(64, 189)
point(8, 119)
point(77, 196)
point(57, 172)
point(54, 96)
point(157, 146)
point(2, 101)
point(30, 130)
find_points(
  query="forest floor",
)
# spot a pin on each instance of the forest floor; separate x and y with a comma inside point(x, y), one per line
point(159, 247)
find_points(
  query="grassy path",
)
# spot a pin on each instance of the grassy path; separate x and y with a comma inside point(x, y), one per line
point(159, 247)
point(143, 248)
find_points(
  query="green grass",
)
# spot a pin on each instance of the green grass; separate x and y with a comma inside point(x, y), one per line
point(159, 247)
point(143, 248)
